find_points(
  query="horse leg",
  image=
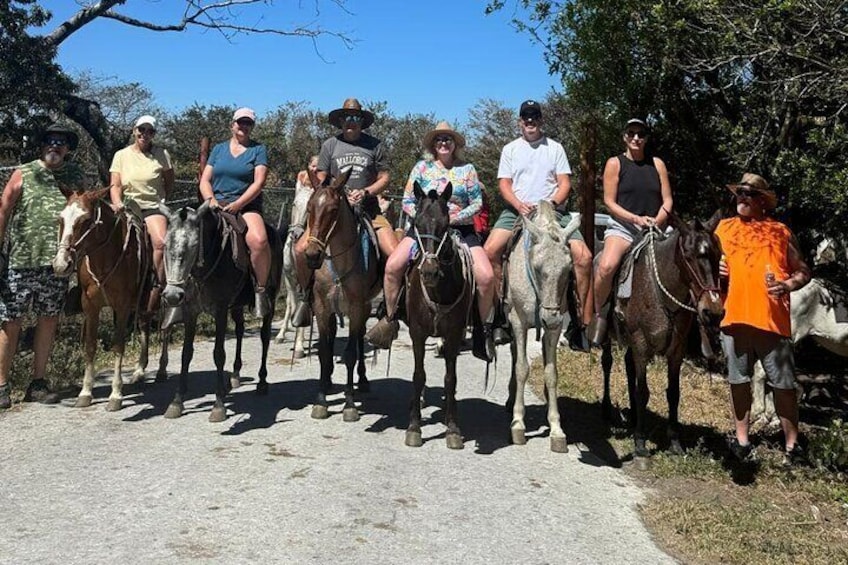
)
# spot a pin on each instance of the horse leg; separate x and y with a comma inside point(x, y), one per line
point(219, 411)
point(510, 399)
point(265, 337)
point(640, 385)
point(175, 409)
point(453, 437)
point(362, 384)
point(351, 356)
point(90, 325)
point(606, 367)
point(672, 394)
point(143, 352)
point(116, 399)
point(521, 369)
point(326, 338)
point(164, 338)
point(237, 314)
point(559, 443)
point(632, 397)
point(419, 377)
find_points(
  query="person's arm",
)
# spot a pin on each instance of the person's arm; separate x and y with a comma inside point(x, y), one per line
point(379, 185)
point(7, 202)
point(116, 191)
point(800, 273)
point(560, 195)
point(475, 197)
point(665, 188)
point(408, 204)
point(206, 190)
point(260, 173)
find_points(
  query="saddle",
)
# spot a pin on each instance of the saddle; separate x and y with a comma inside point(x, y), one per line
point(233, 227)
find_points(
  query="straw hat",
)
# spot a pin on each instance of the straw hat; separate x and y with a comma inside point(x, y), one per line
point(351, 106)
point(751, 181)
point(444, 128)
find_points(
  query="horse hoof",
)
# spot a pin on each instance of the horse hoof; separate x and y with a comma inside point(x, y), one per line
point(559, 445)
point(518, 437)
point(320, 412)
point(642, 463)
point(114, 404)
point(83, 402)
point(137, 377)
point(299, 354)
point(350, 415)
point(454, 441)
point(413, 439)
point(262, 388)
point(217, 415)
point(174, 411)
point(363, 386)
point(161, 376)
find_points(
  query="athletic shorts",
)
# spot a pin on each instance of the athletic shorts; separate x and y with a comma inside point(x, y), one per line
point(744, 345)
point(625, 231)
point(507, 219)
point(37, 290)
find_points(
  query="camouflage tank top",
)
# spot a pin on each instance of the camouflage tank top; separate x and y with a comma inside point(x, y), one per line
point(32, 234)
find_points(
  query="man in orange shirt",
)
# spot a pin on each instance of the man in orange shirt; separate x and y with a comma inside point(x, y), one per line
point(763, 265)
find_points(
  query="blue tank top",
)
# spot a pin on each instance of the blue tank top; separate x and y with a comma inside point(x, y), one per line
point(639, 190)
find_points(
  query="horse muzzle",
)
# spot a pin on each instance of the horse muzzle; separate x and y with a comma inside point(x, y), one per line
point(314, 258)
point(63, 264)
point(173, 295)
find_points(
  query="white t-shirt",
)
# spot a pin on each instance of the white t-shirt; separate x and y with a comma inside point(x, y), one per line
point(533, 167)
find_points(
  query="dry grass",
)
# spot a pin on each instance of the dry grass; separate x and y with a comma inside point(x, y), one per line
point(704, 508)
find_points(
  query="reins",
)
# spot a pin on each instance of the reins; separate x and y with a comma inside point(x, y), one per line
point(651, 235)
point(531, 277)
point(440, 310)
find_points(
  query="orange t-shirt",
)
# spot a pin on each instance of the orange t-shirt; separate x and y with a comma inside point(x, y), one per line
point(750, 247)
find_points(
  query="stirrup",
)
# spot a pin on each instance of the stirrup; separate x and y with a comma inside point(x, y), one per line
point(597, 330)
point(262, 305)
point(383, 333)
point(483, 343)
point(302, 315)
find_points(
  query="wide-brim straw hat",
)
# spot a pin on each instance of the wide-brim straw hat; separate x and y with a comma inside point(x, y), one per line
point(351, 106)
point(71, 135)
point(756, 182)
point(444, 128)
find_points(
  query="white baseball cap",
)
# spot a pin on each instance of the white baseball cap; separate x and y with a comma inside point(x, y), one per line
point(149, 120)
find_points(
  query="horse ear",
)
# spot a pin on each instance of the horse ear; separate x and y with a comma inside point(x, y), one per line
point(101, 193)
point(416, 189)
point(572, 226)
point(675, 222)
point(66, 192)
point(313, 177)
point(203, 209)
point(712, 223)
point(341, 181)
point(446, 194)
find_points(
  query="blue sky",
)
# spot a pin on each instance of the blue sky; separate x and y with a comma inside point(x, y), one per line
point(439, 56)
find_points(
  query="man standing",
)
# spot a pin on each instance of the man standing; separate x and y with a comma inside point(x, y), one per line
point(533, 168)
point(763, 265)
point(29, 207)
point(367, 157)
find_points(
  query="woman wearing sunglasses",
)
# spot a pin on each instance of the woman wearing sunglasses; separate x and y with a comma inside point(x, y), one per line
point(233, 180)
point(638, 195)
point(142, 172)
point(443, 163)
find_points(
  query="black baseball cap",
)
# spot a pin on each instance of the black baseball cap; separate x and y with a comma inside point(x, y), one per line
point(530, 109)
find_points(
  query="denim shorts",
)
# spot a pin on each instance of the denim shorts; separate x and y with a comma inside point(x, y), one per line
point(37, 290)
point(744, 345)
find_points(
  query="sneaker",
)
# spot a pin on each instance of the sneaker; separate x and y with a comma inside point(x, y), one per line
point(483, 344)
point(794, 457)
point(5, 398)
point(383, 333)
point(743, 453)
point(38, 391)
point(262, 305)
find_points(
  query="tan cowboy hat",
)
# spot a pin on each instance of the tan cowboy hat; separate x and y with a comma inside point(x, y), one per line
point(751, 181)
point(351, 106)
point(444, 128)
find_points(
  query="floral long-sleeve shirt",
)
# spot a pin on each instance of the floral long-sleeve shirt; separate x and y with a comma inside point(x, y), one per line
point(466, 197)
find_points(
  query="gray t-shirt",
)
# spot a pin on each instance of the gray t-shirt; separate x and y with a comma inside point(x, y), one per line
point(366, 155)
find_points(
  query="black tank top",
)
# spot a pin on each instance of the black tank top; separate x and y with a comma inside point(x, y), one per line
point(639, 189)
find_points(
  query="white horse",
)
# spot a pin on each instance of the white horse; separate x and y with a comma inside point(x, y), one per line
point(298, 217)
point(813, 312)
point(539, 267)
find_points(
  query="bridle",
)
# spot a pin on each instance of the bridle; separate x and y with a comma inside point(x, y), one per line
point(696, 292)
point(72, 249)
point(534, 284)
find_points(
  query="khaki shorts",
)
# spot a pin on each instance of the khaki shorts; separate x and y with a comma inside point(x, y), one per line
point(744, 345)
point(507, 219)
point(379, 222)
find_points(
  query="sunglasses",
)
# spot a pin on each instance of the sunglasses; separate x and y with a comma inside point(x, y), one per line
point(55, 142)
point(443, 139)
point(245, 123)
point(639, 134)
point(747, 193)
point(530, 121)
point(355, 118)
point(147, 131)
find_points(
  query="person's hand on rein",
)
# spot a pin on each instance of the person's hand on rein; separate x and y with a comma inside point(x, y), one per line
point(525, 209)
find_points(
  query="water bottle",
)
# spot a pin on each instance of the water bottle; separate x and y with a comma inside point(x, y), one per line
point(723, 280)
point(770, 279)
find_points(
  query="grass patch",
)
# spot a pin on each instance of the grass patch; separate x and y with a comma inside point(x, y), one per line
point(702, 507)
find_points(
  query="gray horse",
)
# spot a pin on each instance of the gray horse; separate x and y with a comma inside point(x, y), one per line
point(298, 218)
point(539, 267)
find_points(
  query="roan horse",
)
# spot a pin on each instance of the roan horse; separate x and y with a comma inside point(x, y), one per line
point(539, 267)
point(114, 272)
point(203, 275)
point(346, 279)
point(298, 217)
point(673, 281)
point(439, 297)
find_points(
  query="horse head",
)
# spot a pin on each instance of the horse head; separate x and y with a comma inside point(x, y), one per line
point(432, 231)
point(697, 256)
point(77, 222)
point(182, 249)
point(323, 212)
point(548, 261)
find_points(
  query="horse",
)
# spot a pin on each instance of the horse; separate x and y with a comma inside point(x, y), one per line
point(439, 298)
point(538, 273)
point(346, 278)
point(112, 259)
point(298, 217)
point(203, 274)
point(674, 280)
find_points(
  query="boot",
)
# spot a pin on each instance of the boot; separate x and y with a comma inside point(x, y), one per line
point(302, 315)
point(384, 332)
point(578, 340)
point(38, 391)
point(5, 398)
point(597, 331)
point(482, 342)
point(501, 328)
point(262, 303)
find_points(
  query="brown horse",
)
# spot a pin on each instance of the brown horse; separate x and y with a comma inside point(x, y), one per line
point(346, 279)
point(674, 281)
point(439, 296)
point(112, 258)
